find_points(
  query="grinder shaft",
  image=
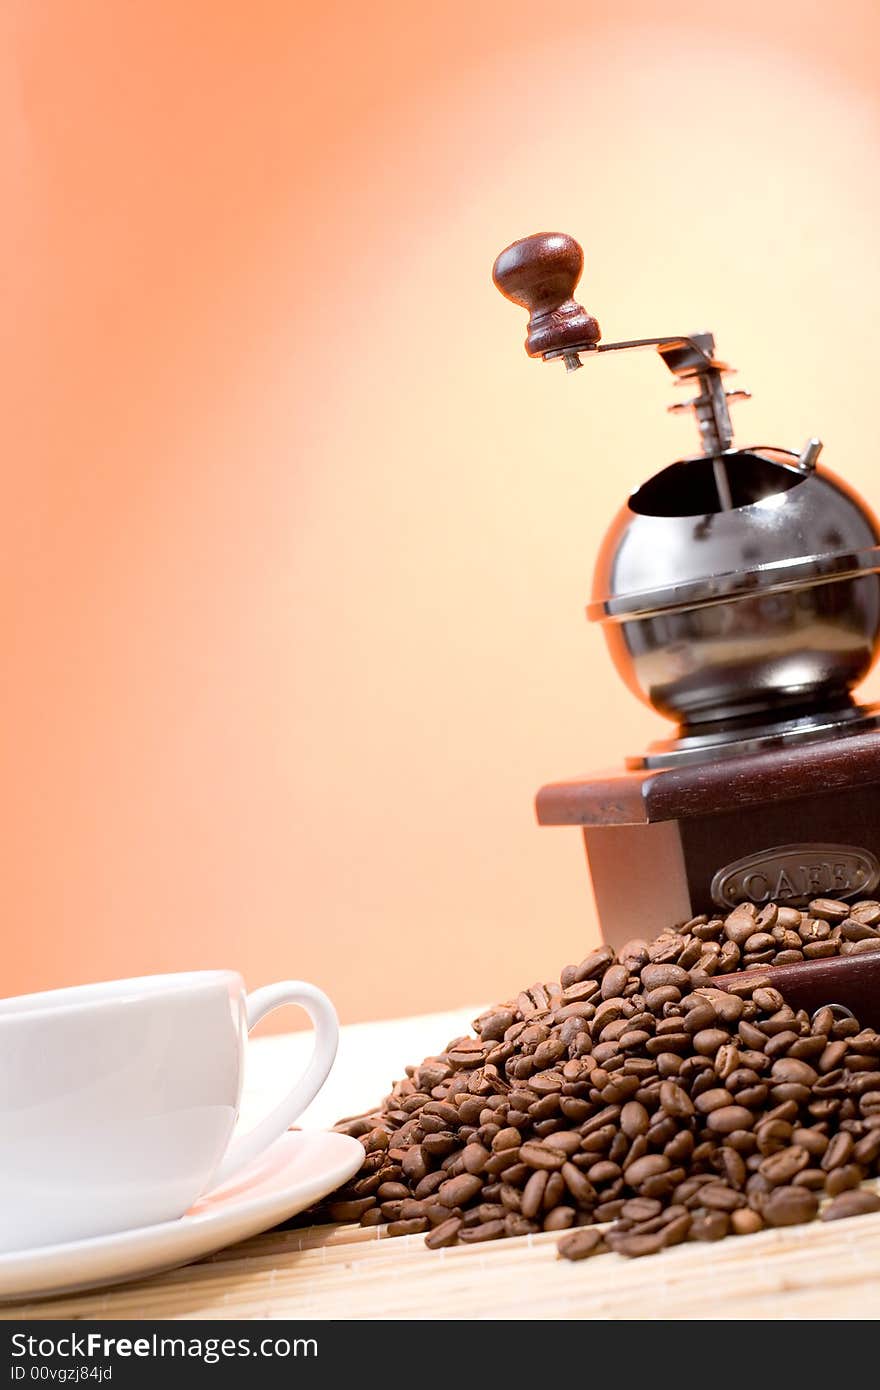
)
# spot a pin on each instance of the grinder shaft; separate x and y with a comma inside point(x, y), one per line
point(541, 273)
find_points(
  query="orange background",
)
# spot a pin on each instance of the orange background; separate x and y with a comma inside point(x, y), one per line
point(295, 540)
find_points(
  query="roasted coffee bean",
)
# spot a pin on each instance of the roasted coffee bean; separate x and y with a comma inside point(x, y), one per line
point(865, 1080)
point(859, 1202)
point(634, 1246)
point(656, 999)
point(414, 1164)
point(752, 1036)
point(428, 1184)
point(376, 1140)
point(517, 1173)
point(580, 1187)
point(438, 1145)
point(789, 1206)
point(687, 1191)
point(554, 1190)
point(728, 1007)
point(752, 1096)
point(772, 1135)
point(745, 1222)
point(779, 1168)
point(668, 1042)
point(661, 1184)
point(788, 916)
point(537, 1155)
point(829, 909)
point(455, 1192)
point(573, 1109)
point(533, 1194)
point(813, 1178)
point(818, 950)
point(408, 1228)
point(594, 964)
point(866, 911)
point(648, 1167)
point(672, 1233)
point(790, 1069)
point(446, 1112)
point(730, 1165)
point(812, 1140)
point(614, 981)
point(710, 1225)
point(758, 942)
point(641, 1209)
point(410, 1209)
point(516, 1225)
point(858, 948)
point(838, 1151)
point(608, 1211)
point(559, 1219)
point(392, 1191)
point(506, 1139)
point(853, 930)
point(349, 1211)
point(603, 1172)
point(469, 1108)
point(580, 993)
point(474, 1158)
point(634, 1119)
point(832, 1057)
point(675, 1101)
point(580, 1244)
point(493, 1026)
point(867, 1149)
point(599, 1140)
point(567, 1142)
point(474, 1235)
point(699, 1014)
point(661, 976)
point(660, 1133)
point(364, 1187)
point(391, 1211)
point(713, 1099)
point(844, 1178)
point(739, 926)
point(498, 1163)
point(509, 1197)
point(543, 1107)
point(634, 953)
point(780, 1041)
point(729, 1118)
point(727, 1061)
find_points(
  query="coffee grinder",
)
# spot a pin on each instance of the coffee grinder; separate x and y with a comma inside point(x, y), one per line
point(739, 594)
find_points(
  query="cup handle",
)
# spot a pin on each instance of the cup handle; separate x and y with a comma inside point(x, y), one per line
point(244, 1149)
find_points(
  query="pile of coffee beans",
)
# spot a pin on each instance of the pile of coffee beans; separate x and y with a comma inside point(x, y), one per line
point(633, 1092)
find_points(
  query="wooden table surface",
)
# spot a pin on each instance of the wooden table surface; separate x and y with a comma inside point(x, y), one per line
point(823, 1270)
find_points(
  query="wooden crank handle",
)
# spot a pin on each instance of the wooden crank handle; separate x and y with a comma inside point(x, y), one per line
point(540, 273)
point(853, 981)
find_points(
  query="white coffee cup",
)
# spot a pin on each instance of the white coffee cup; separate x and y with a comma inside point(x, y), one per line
point(118, 1100)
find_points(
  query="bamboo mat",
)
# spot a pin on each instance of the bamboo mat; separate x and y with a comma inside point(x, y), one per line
point(347, 1272)
point(824, 1270)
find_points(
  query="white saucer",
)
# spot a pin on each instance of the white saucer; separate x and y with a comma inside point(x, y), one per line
point(298, 1169)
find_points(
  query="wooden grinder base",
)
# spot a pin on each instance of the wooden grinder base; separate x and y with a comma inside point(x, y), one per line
point(788, 824)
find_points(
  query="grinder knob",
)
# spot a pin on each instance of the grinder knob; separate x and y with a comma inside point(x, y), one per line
point(540, 273)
